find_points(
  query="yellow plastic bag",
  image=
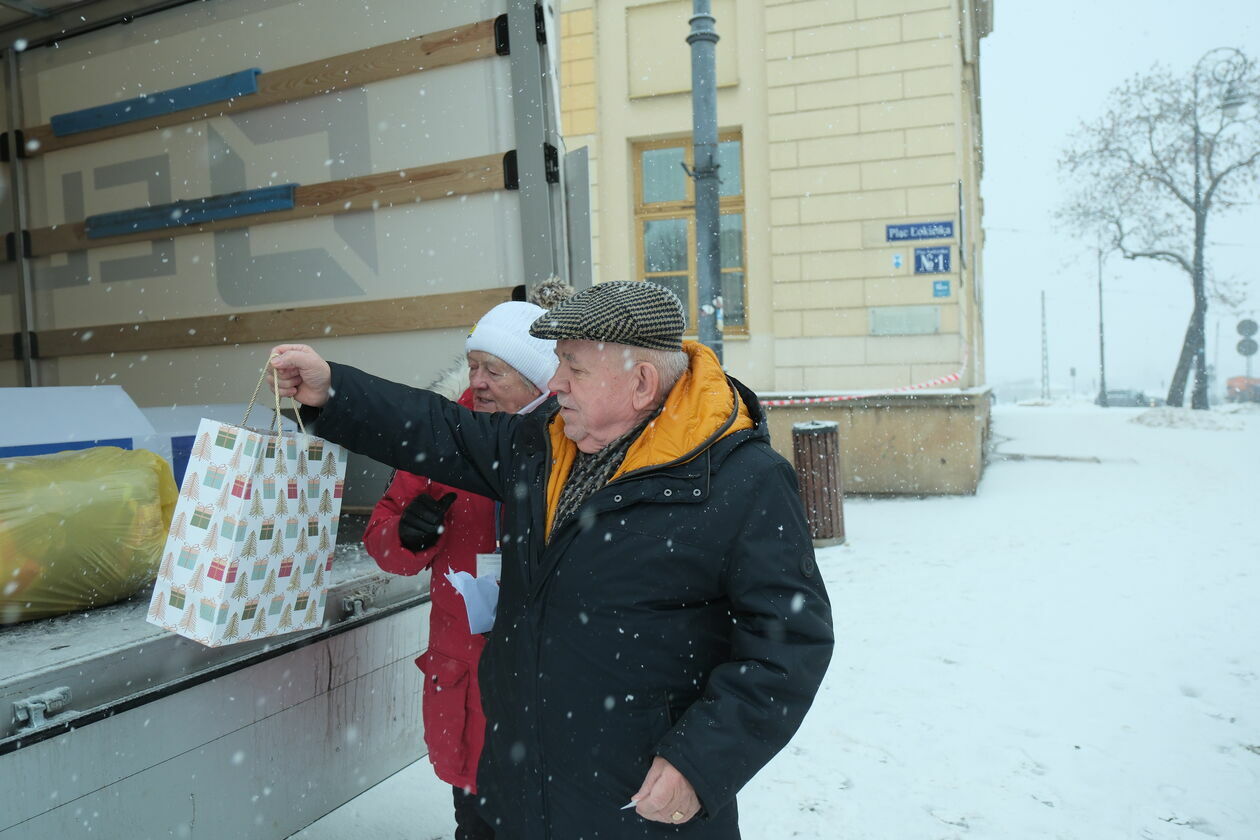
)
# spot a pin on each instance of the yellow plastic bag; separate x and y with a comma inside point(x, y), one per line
point(80, 529)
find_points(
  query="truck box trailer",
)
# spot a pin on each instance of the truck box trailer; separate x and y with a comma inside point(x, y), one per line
point(187, 184)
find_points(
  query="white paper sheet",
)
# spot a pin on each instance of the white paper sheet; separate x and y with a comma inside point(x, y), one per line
point(481, 598)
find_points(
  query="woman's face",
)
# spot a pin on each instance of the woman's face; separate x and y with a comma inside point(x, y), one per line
point(496, 385)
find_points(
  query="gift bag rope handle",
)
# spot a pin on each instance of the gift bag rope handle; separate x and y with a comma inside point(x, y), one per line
point(297, 411)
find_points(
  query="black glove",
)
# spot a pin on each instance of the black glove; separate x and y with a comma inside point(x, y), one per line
point(421, 521)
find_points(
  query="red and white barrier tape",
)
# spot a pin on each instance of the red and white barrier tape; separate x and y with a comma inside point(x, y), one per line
point(918, 386)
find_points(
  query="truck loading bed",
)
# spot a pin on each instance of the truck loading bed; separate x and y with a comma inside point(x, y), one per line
point(109, 711)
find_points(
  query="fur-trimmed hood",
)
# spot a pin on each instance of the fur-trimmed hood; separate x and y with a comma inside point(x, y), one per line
point(452, 383)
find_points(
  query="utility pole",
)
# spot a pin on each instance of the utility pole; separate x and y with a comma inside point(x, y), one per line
point(1045, 351)
point(703, 40)
point(1102, 350)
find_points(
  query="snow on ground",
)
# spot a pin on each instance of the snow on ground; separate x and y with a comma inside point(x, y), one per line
point(1180, 418)
point(1073, 653)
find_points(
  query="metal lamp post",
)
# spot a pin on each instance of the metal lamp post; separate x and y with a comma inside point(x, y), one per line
point(1102, 349)
point(703, 40)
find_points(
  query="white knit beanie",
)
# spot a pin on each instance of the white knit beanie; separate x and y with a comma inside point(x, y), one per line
point(504, 332)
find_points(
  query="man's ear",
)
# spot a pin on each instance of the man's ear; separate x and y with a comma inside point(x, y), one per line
point(647, 383)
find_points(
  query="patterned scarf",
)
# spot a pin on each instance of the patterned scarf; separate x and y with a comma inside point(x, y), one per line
point(590, 472)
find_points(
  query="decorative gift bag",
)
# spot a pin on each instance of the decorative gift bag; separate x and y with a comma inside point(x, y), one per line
point(251, 543)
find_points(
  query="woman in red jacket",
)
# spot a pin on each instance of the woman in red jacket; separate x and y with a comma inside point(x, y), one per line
point(421, 524)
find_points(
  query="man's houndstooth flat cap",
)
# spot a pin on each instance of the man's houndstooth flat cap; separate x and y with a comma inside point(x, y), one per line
point(638, 313)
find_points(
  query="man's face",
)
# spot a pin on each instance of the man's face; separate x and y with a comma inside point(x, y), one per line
point(594, 385)
point(496, 385)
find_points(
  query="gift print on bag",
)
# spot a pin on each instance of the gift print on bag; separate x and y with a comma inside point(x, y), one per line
point(214, 476)
point(201, 516)
point(233, 528)
point(226, 437)
point(188, 555)
point(222, 570)
point(208, 606)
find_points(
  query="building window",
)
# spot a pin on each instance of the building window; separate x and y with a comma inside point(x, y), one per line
point(665, 224)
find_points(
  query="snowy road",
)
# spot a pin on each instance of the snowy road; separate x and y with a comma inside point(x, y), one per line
point(1072, 653)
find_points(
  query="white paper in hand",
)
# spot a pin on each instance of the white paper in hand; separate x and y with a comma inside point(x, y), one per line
point(481, 598)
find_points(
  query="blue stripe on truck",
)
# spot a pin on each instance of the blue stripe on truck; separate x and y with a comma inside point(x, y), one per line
point(242, 83)
point(193, 211)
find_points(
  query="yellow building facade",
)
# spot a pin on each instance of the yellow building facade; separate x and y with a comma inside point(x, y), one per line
point(850, 168)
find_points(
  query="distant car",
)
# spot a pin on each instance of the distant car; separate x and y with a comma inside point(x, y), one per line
point(1125, 398)
point(1242, 389)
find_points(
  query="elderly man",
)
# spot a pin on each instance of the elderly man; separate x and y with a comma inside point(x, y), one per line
point(662, 628)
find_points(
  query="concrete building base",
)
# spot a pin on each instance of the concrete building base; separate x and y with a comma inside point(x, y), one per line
point(926, 443)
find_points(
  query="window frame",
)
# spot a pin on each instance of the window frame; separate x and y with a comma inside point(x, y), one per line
point(685, 209)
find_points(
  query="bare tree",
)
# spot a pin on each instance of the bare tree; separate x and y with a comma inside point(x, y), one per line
point(1169, 153)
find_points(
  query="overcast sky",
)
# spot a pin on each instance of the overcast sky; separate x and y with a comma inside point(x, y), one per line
point(1045, 68)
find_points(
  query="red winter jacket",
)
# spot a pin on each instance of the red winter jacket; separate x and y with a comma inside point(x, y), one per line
point(454, 725)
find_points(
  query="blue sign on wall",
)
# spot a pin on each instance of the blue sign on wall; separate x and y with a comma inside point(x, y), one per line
point(920, 230)
point(940, 288)
point(931, 260)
